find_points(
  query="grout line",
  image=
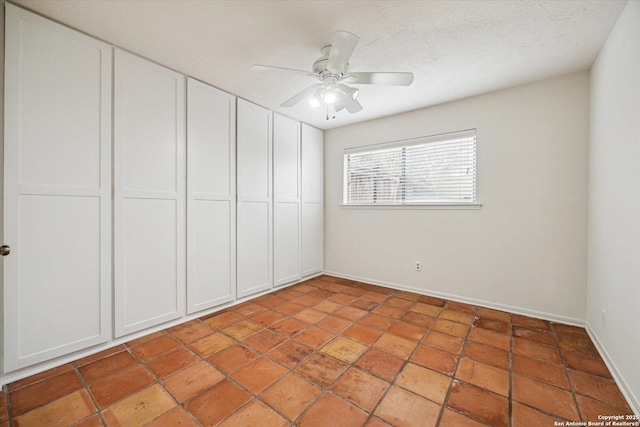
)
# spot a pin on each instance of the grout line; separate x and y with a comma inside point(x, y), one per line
point(86, 388)
point(566, 372)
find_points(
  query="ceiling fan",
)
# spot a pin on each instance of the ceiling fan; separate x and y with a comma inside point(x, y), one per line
point(332, 70)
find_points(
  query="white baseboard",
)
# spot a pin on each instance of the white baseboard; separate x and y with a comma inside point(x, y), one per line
point(633, 402)
point(488, 304)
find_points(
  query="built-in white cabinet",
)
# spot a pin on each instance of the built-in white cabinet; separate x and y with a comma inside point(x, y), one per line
point(254, 194)
point(312, 201)
point(149, 198)
point(211, 196)
point(286, 200)
point(57, 190)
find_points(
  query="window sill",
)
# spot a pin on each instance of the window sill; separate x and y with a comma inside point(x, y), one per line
point(441, 206)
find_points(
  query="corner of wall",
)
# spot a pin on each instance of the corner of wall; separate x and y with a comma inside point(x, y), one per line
point(2, 4)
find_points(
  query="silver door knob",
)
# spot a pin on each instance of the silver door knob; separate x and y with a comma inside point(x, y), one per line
point(5, 250)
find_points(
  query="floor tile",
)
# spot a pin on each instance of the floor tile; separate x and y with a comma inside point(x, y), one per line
point(120, 385)
point(344, 349)
point(456, 316)
point(401, 408)
point(322, 369)
point(193, 332)
point(264, 341)
point(61, 412)
point(443, 341)
point(591, 409)
point(98, 356)
point(175, 417)
point(242, 329)
point(377, 422)
point(542, 396)
point(460, 306)
point(232, 358)
point(571, 331)
point(291, 353)
point(389, 311)
point(360, 388)
point(492, 325)
point(587, 364)
point(376, 321)
point(307, 300)
point(211, 344)
point(417, 319)
point(289, 326)
point(395, 345)
point(549, 373)
point(524, 416)
point(258, 375)
point(155, 347)
point(364, 304)
point(145, 338)
point(575, 345)
point(171, 362)
point(4, 413)
point(212, 406)
point(186, 383)
point(310, 316)
point(411, 296)
point(375, 296)
point(327, 306)
point(48, 390)
point(491, 338)
point(450, 328)
point(428, 309)
point(350, 313)
point(487, 355)
point(490, 313)
point(362, 334)
point(314, 337)
point(407, 330)
point(103, 368)
point(341, 298)
point(332, 411)
point(530, 322)
point(248, 309)
point(255, 414)
point(452, 418)
point(267, 318)
point(291, 395)
point(399, 302)
point(289, 308)
point(479, 404)
point(534, 335)
point(380, 364)
point(223, 320)
point(269, 301)
point(91, 421)
point(424, 382)
point(435, 359)
point(333, 324)
point(139, 408)
point(485, 376)
point(596, 387)
point(438, 302)
point(536, 350)
point(39, 377)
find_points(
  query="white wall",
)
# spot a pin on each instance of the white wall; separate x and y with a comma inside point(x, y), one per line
point(614, 201)
point(525, 250)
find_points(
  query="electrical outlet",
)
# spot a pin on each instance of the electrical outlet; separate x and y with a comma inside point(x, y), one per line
point(604, 319)
point(418, 266)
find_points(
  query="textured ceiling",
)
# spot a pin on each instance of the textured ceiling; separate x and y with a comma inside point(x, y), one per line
point(455, 49)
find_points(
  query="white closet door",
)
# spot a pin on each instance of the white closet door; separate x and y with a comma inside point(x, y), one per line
point(149, 180)
point(211, 196)
point(312, 201)
point(254, 219)
point(286, 200)
point(57, 190)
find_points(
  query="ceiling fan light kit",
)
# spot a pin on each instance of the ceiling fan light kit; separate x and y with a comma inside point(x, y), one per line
point(332, 70)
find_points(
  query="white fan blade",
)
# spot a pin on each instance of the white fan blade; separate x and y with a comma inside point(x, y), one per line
point(352, 105)
point(300, 96)
point(341, 49)
point(380, 78)
point(258, 67)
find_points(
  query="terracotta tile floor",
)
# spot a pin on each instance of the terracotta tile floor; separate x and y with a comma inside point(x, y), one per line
point(331, 352)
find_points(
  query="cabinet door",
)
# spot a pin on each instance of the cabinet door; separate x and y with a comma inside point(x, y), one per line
point(254, 222)
point(57, 190)
point(211, 196)
point(149, 169)
point(312, 201)
point(286, 200)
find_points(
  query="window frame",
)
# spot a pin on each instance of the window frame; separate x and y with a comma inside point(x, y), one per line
point(474, 204)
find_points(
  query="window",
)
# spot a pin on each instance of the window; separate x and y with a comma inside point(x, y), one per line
point(433, 170)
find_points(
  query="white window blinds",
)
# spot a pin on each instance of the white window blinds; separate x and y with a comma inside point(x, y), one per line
point(434, 169)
